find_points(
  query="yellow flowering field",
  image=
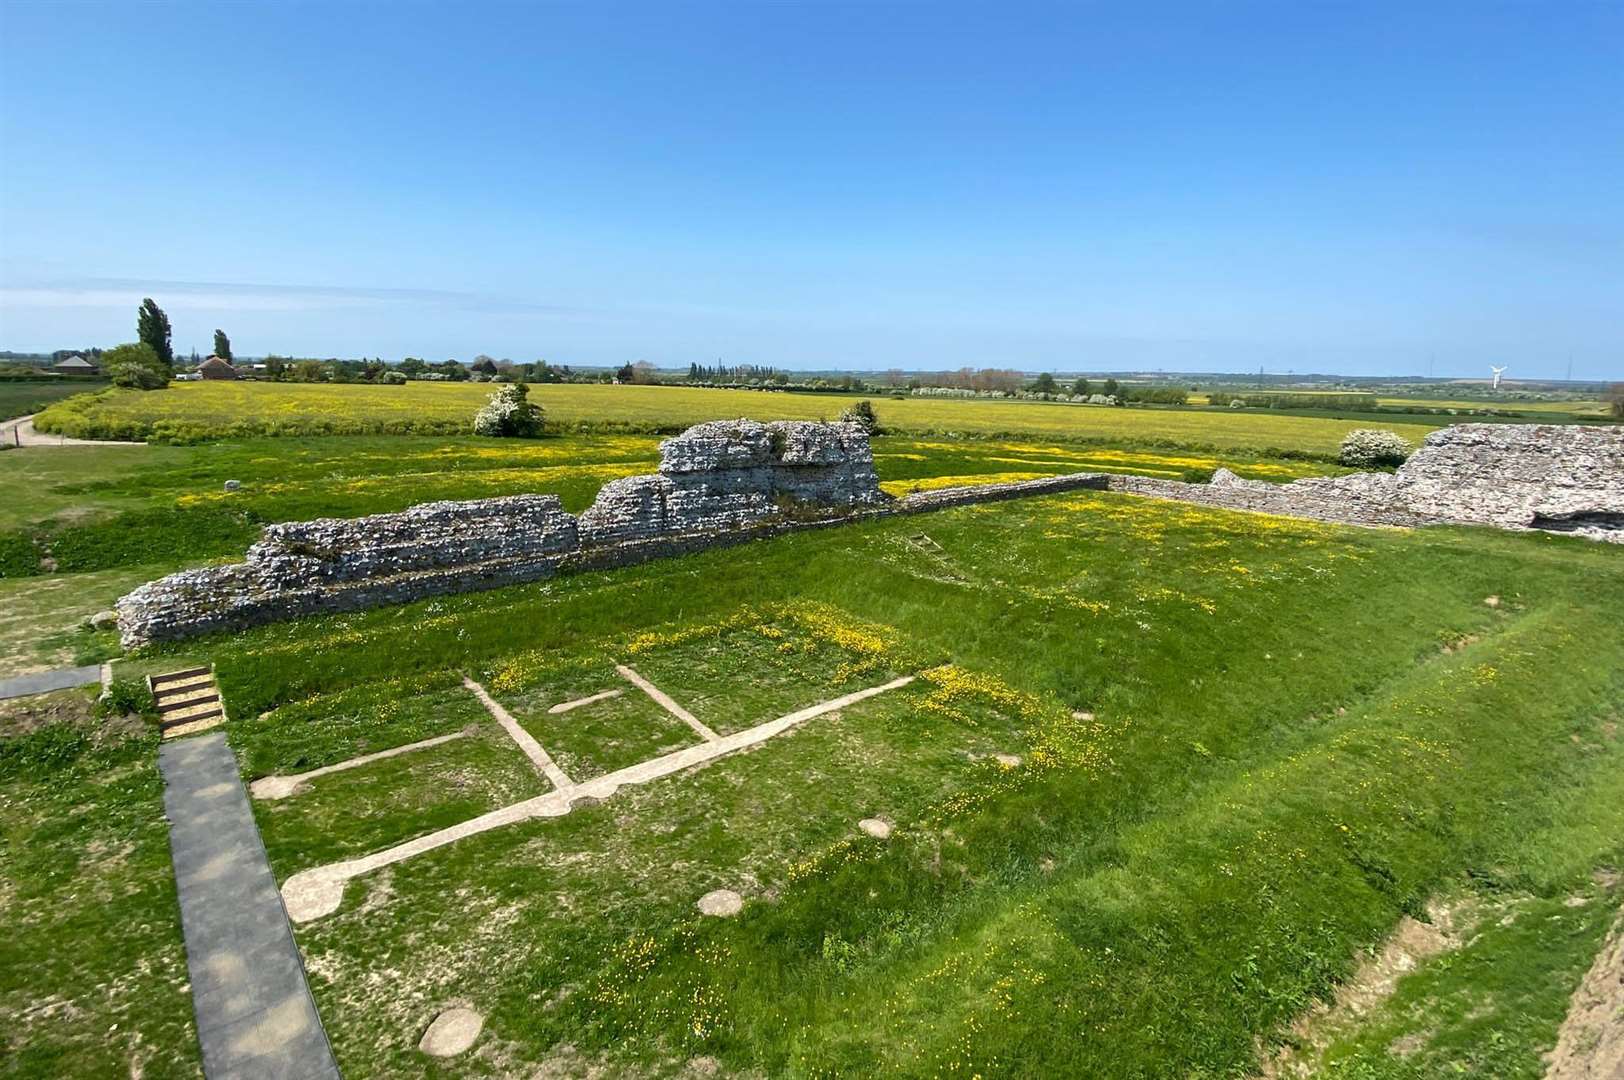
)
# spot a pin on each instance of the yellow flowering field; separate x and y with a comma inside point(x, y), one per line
point(205, 410)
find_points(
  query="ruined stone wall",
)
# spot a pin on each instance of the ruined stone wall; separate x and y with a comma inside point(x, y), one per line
point(1364, 503)
point(732, 481)
point(426, 537)
point(719, 483)
point(1516, 476)
point(732, 474)
point(347, 564)
point(1537, 476)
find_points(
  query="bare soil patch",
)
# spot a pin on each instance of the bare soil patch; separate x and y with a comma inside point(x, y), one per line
point(1590, 1043)
point(1373, 983)
point(20, 716)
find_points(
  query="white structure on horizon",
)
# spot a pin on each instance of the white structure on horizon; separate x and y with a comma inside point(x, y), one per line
point(1496, 372)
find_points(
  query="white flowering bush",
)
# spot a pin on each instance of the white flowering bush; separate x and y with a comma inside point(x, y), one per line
point(862, 413)
point(509, 413)
point(1367, 447)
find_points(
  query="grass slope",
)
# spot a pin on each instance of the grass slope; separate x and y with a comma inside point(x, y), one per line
point(211, 410)
point(1300, 733)
point(93, 978)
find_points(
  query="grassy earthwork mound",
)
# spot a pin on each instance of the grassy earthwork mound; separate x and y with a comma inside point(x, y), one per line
point(1164, 775)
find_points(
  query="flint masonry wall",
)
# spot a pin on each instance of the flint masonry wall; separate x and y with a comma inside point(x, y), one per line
point(719, 483)
point(732, 474)
point(729, 482)
point(1535, 476)
point(1513, 476)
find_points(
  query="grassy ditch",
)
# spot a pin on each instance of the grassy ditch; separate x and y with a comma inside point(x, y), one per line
point(1291, 736)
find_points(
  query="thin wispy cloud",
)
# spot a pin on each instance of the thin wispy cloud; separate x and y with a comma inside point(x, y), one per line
point(238, 297)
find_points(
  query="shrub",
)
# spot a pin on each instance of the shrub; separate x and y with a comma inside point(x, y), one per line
point(136, 366)
point(127, 697)
point(394, 378)
point(1157, 395)
point(1332, 402)
point(1366, 447)
point(136, 377)
point(18, 555)
point(862, 413)
point(509, 413)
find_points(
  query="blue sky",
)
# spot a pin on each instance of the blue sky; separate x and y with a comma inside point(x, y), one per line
point(1363, 188)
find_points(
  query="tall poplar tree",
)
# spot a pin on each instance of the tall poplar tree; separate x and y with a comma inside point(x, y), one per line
point(222, 345)
point(152, 327)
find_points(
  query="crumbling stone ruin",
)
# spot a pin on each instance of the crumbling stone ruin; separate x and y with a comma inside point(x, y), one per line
point(719, 483)
point(727, 482)
point(1537, 476)
point(730, 474)
point(1557, 478)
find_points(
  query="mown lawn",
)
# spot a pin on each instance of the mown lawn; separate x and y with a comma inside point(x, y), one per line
point(44, 621)
point(1294, 734)
point(212, 410)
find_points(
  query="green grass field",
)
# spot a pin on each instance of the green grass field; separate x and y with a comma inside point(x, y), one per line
point(1558, 410)
point(196, 411)
point(1552, 411)
point(19, 398)
point(1165, 778)
point(96, 508)
point(1297, 734)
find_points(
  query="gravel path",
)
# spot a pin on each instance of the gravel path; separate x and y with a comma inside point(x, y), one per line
point(21, 432)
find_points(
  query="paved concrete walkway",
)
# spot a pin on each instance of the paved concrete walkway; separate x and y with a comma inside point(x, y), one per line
point(255, 1016)
point(43, 682)
point(21, 432)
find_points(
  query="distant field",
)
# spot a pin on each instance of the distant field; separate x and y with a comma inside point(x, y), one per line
point(1558, 409)
point(21, 398)
point(200, 411)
